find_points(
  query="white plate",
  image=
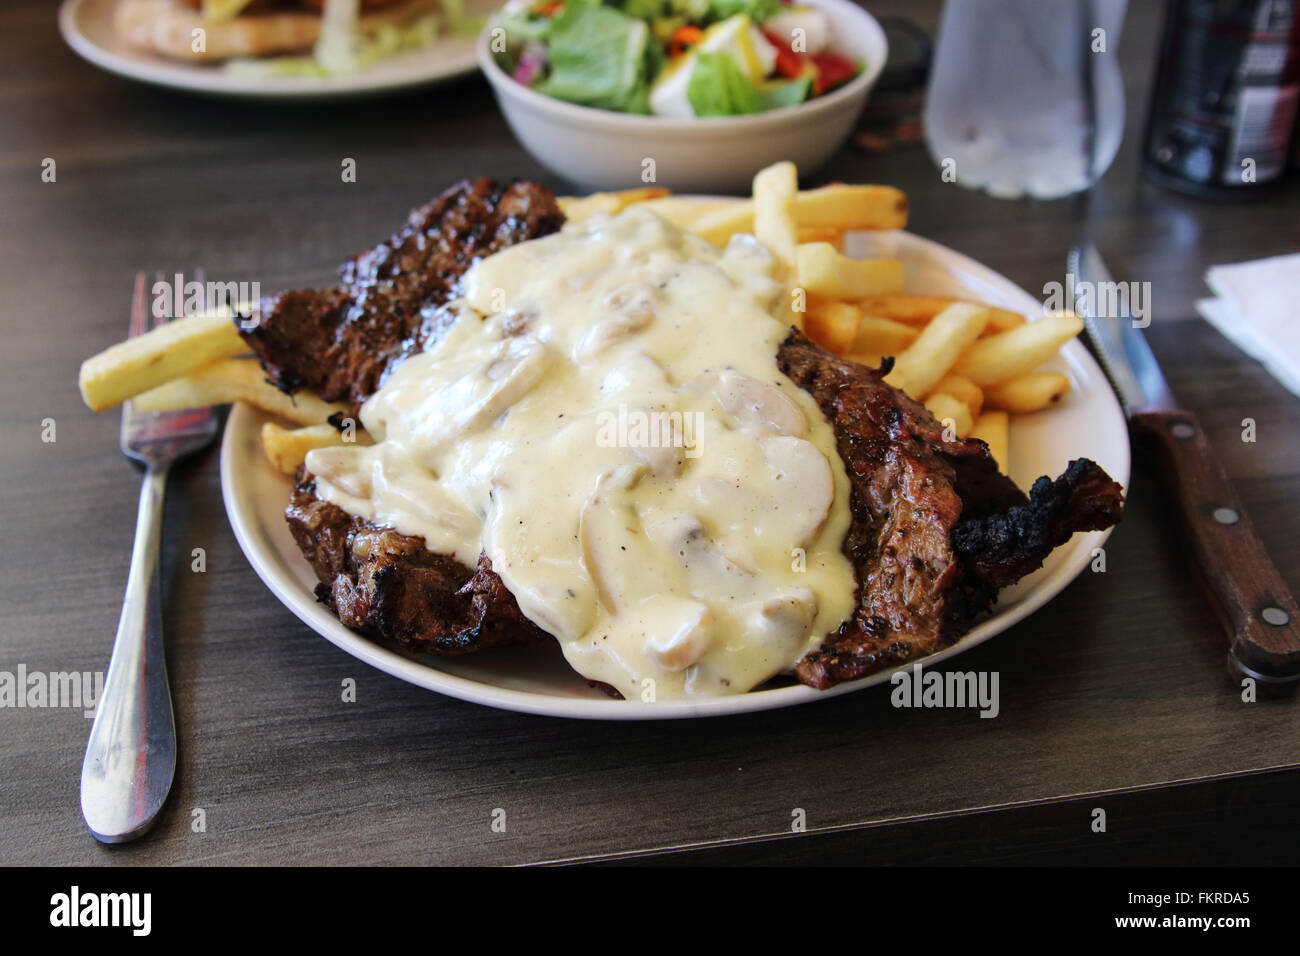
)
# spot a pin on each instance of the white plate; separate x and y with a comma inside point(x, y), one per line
point(87, 27)
point(1088, 423)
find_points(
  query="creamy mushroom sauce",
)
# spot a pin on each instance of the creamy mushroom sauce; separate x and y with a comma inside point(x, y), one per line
point(606, 421)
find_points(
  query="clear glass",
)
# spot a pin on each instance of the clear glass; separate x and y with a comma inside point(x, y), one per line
point(1025, 96)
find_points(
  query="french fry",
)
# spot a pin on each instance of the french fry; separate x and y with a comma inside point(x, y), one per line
point(832, 325)
point(1014, 353)
point(286, 448)
point(951, 413)
point(236, 380)
point(167, 352)
point(685, 211)
point(720, 226)
point(837, 206)
point(869, 359)
point(825, 272)
point(1003, 320)
point(964, 390)
point(774, 222)
point(878, 336)
point(1028, 393)
point(916, 309)
point(852, 207)
point(919, 309)
point(925, 362)
point(994, 429)
point(774, 191)
point(578, 208)
point(822, 234)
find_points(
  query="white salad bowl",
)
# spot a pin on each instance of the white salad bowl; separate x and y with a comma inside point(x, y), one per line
point(604, 149)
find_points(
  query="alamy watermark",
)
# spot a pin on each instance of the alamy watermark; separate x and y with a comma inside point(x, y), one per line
point(1107, 299)
point(176, 297)
point(40, 689)
point(639, 428)
point(920, 688)
point(74, 909)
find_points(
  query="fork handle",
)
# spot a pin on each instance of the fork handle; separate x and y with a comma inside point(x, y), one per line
point(131, 755)
point(1248, 594)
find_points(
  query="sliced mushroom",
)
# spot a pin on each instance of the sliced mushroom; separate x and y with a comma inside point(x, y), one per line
point(610, 329)
point(753, 404)
point(787, 616)
point(803, 482)
point(347, 469)
point(676, 648)
point(402, 486)
point(664, 461)
point(779, 503)
point(507, 379)
point(638, 298)
point(608, 532)
point(709, 569)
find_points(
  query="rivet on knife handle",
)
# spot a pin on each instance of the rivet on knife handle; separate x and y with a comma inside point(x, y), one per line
point(1249, 595)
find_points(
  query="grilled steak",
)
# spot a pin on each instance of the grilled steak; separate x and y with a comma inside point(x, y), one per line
point(340, 342)
point(936, 530)
point(389, 585)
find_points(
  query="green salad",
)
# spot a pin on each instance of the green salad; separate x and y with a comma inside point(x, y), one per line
point(673, 58)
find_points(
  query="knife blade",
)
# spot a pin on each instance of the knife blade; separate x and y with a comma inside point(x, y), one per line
point(1249, 596)
point(1125, 355)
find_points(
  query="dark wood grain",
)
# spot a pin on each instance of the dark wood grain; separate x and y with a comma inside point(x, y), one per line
point(1239, 821)
point(1117, 684)
point(1246, 591)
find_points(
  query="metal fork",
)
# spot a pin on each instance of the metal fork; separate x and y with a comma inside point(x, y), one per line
point(131, 755)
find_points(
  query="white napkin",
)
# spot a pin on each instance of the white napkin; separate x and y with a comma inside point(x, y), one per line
point(1258, 309)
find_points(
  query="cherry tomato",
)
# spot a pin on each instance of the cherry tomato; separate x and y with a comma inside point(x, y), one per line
point(788, 63)
point(832, 70)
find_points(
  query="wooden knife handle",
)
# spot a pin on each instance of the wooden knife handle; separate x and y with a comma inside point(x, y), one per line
point(1249, 596)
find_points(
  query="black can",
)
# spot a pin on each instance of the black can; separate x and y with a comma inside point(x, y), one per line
point(1225, 96)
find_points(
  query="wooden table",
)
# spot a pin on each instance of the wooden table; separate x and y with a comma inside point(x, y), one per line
point(1114, 695)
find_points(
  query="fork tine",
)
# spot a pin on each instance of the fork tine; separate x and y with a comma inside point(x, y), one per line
point(138, 323)
point(161, 437)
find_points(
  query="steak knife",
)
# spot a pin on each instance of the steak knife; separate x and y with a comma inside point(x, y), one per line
point(1249, 596)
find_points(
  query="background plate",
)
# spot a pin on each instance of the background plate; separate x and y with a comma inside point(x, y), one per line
point(1089, 423)
point(87, 27)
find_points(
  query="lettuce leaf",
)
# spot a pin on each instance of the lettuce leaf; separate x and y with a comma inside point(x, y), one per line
point(597, 57)
point(717, 87)
point(758, 10)
point(643, 9)
point(773, 96)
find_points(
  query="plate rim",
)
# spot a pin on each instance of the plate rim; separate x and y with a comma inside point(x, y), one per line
point(189, 78)
point(243, 521)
